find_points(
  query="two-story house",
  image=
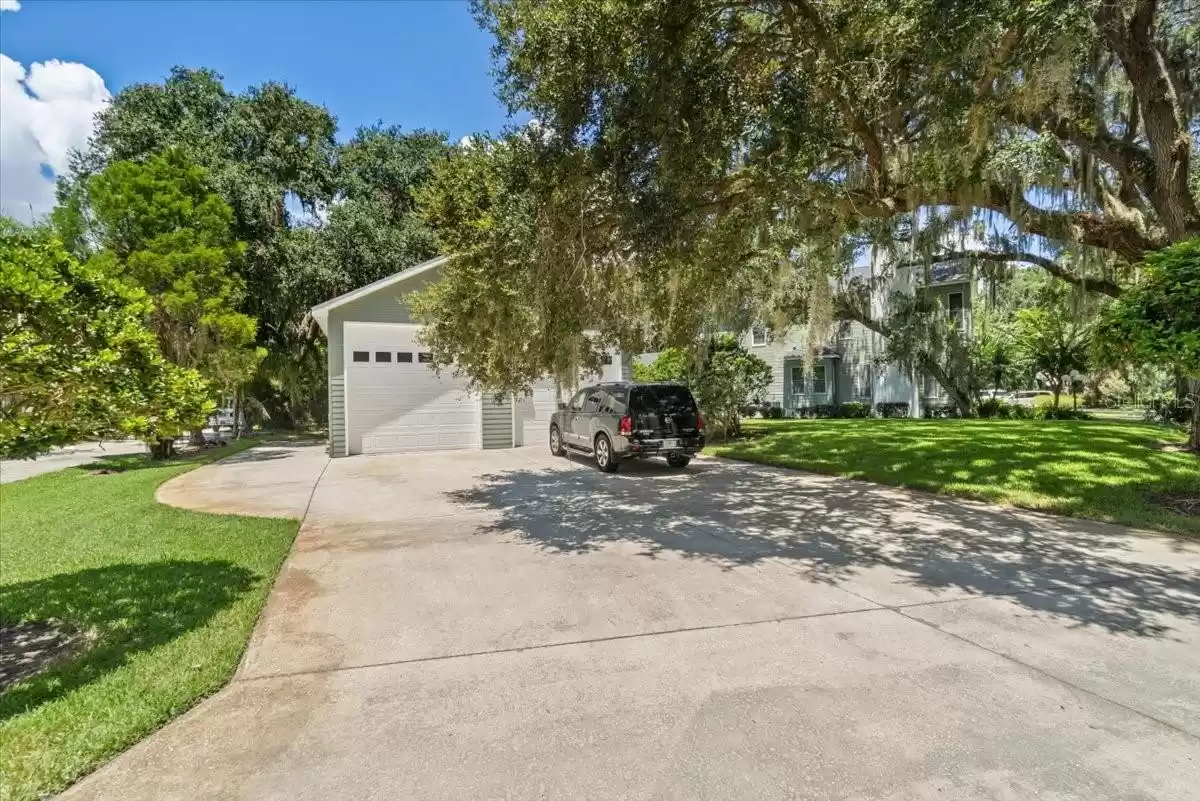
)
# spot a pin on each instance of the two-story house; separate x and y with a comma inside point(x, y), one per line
point(849, 366)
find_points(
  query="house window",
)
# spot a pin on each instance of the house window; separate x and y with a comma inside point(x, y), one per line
point(758, 336)
point(606, 358)
point(425, 358)
point(955, 301)
point(868, 378)
point(362, 356)
point(383, 355)
point(818, 385)
point(404, 356)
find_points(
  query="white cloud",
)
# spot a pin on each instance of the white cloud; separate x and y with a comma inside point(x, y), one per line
point(10, 5)
point(48, 110)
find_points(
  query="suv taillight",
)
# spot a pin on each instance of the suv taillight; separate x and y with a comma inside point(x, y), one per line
point(625, 427)
point(699, 420)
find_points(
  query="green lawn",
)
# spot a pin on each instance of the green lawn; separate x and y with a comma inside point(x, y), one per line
point(1096, 469)
point(168, 598)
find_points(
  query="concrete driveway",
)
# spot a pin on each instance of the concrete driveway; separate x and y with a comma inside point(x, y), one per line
point(505, 625)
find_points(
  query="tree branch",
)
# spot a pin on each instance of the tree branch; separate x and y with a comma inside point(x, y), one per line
point(1101, 285)
point(1133, 163)
point(858, 125)
point(1123, 236)
point(1163, 119)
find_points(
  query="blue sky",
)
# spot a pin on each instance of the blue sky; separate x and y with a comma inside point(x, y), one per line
point(416, 63)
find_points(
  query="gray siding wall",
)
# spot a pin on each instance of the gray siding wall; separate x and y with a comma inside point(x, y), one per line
point(497, 421)
point(385, 306)
point(337, 415)
point(859, 376)
point(783, 352)
point(773, 354)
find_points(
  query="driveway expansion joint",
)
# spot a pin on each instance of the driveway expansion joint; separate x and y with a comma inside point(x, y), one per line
point(564, 644)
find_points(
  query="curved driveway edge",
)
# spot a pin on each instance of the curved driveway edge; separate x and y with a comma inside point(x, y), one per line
point(268, 480)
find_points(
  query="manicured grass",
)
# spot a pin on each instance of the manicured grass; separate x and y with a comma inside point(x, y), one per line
point(168, 598)
point(1096, 469)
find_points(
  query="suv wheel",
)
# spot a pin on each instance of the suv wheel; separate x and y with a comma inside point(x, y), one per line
point(606, 460)
point(677, 460)
point(556, 443)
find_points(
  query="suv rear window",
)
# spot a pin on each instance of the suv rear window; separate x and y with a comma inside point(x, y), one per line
point(667, 399)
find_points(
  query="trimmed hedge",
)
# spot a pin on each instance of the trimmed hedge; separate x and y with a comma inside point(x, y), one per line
point(819, 411)
point(854, 409)
point(1003, 410)
point(893, 409)
point(941, 411)
point(1059, 413)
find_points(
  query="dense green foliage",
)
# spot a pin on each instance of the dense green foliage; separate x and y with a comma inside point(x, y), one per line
point(1159, 320)
point(1100, 470)
point(76, 358)
point(1053, 339)
point(316, 219)
point(167, 597)
point(161, 227)
point(483, 211)
point(694, 161)
point(723, 379)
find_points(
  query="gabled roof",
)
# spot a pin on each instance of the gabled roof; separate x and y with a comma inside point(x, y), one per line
point(320, 312)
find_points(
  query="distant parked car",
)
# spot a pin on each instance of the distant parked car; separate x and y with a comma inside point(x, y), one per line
point(1028, 397)
point(998, 394)
point(628, 420)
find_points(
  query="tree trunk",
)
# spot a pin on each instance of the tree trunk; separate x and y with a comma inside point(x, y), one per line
point(1194, 435)
point(237, 414)
point(961, 399)
point(196, 438)
point(162, 449)
point(846, 309)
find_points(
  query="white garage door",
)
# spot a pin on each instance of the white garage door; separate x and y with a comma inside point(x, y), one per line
point(394, 400)
point(534, 411)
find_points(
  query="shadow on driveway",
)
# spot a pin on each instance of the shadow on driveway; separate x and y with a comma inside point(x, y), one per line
point(835, 530)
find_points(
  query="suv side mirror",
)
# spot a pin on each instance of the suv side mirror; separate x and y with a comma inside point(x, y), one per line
point(561, 405)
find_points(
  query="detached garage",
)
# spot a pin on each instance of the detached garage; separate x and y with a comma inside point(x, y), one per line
point(384, 396)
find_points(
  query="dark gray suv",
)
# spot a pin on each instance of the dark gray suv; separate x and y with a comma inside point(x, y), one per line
point(627, 420)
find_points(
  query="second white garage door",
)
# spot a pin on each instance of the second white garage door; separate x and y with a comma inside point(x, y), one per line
point(394, 400)
point(534, 411)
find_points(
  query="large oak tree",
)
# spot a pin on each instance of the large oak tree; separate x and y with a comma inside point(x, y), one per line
point(696, 158)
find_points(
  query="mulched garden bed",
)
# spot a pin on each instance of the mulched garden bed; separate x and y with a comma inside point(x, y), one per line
point(1181, 503)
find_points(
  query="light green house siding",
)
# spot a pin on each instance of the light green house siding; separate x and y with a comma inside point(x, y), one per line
point(497, 421)
point(854, 370)
point(385, 306)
